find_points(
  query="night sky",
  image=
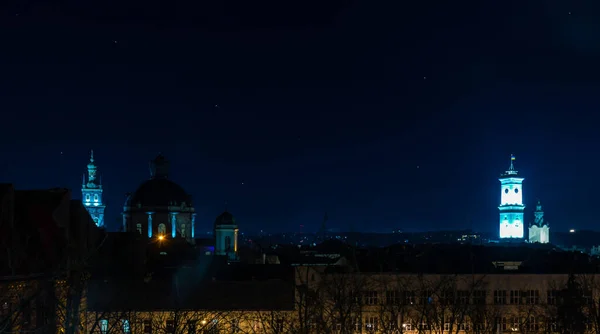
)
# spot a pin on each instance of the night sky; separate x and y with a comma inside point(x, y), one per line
point(384, 114)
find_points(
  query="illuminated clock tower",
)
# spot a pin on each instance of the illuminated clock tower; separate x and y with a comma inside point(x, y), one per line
point(91, 193)
point(511, 204)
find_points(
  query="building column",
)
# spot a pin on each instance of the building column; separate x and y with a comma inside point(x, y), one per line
point(150, 224)
point(193, 224)
point(126, 219)
point(173, 224)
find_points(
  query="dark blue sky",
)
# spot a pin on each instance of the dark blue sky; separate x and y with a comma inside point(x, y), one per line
point(320, 108)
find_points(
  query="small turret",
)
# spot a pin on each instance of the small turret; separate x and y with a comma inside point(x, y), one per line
point(159, 167)
point(539, 230)
point(92, 169)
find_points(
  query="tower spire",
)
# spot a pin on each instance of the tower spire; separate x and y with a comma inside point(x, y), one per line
point(91, 192)
point(512, 161)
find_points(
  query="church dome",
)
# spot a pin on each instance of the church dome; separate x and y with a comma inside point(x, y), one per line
point(225, 218)
point(159, 192)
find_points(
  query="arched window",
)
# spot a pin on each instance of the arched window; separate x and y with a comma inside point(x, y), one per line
point(126, 327)
point(183, 235)
point(138, 227)
point(96, 198)
point(87, 197)
point(103, 326)
point(162, 229)
point(227, 243)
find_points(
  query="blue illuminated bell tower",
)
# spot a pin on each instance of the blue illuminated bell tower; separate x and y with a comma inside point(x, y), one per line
point(511, 204)
point(91, 193)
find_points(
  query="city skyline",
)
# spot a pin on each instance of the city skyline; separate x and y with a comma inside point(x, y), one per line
point(205, 226)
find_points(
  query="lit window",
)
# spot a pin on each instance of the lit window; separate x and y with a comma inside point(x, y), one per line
point(126, 327)
point(96, 198)
point(371, 297)
point(162, 229)
point(104, 326)
point(87, 197)
point(138, 226)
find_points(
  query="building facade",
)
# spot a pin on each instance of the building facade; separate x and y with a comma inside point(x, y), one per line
point(539, 230)
point(350, 302)
point(160, 208)
point(226, 236)
point(511, 204)
point(91, 192)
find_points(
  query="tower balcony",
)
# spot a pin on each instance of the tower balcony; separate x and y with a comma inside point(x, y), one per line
point(512, 207)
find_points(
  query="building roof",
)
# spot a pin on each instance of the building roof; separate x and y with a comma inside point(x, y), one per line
point(159, 192)
point(225, 218)
point(187, 288)
point(468, 259)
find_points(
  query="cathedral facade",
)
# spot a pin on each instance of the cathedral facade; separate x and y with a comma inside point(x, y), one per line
point(160, 208)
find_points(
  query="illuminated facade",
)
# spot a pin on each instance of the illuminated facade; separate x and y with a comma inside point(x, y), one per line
point(511, 203)
point(160, 208)
point(91, 193)
point(226, 236)
point(539, 230)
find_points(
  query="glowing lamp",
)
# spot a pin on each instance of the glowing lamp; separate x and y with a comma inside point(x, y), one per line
point(161, 237)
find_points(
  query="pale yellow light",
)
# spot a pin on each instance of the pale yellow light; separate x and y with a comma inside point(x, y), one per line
point(161, 237)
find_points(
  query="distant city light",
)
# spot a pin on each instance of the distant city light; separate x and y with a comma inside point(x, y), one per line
point(571, 231)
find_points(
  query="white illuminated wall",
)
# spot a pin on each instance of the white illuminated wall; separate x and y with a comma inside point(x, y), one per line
point(539, 234)
point(511, 208)
point(511, 225)
point(511, 191)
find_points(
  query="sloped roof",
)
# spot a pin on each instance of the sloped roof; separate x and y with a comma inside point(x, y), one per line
point(180, 289)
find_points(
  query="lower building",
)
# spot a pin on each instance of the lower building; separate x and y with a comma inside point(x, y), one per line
point(539, 230)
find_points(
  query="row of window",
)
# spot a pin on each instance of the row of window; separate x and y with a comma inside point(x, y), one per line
point(162, 229)
point(369, 324)
point(479, 297)
point(191, 327)
point(504, 324)
point(88, 198)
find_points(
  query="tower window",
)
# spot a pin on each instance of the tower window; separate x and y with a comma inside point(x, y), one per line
point(96, 198)
point(138, 227)
point(506, 190)
point(87, 197)
point(183, 235)
point(162, 229)
point(516, 190)
point(227, 243)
